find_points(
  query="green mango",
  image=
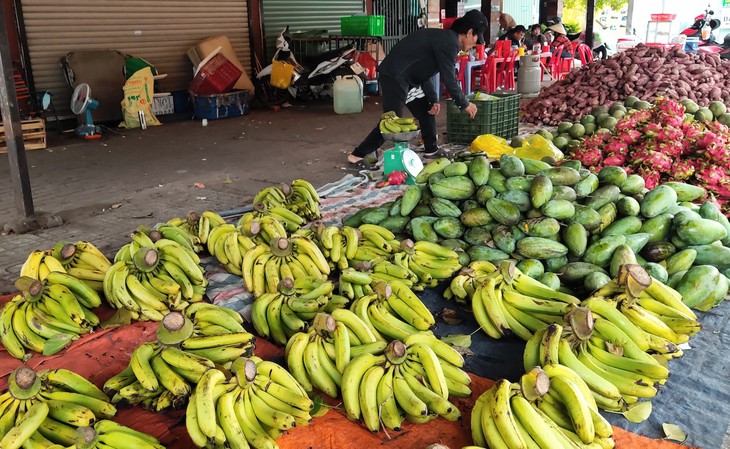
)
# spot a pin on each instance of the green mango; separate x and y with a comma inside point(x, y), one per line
point(482, 252)
point(540, 248)
point(511, 166)
point(657, 201)
point(541, 191)
point(479, 170)
point(558, 209)
point(601, 251)
point(531, 267)
point(575, 237)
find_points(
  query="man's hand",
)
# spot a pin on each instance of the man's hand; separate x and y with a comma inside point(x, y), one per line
point(471, 110)
point(435, 109)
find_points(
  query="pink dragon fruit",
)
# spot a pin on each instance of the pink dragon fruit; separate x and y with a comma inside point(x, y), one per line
point(652, 129)
point(616, 159)
point(720, 155)
point(711, 175)
point(651, 177)
point(682, 169)
point(706, 139)
point(671, 148)
point(665, 107)
point(591, 156)
point(629, 136)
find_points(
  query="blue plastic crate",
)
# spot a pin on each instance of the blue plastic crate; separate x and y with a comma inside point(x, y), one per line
point(213, 107)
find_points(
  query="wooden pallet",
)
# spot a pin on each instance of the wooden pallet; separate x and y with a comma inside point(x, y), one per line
point(34, 135)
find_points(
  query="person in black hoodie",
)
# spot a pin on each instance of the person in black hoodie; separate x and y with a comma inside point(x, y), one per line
point(406, 79)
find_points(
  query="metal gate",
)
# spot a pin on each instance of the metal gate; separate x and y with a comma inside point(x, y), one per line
point(401, 18)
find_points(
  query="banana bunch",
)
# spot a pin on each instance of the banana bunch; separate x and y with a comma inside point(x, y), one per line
point(375, 244)
point(107, 434)
point(616, 369)
point(339, 246)
point(175, 234)
point(39, 264)
point(318, 358)
point(48, 406)
point(82, 260)
point(251, 409)
point(508, 302)
point(356, 283)
point(657, 310)
point(468, 279)
point(289, 219)
point(412, 380)
point(228, 245)
point(430, 262)
point(48, 315)
point(393, 312)
point(151, 278)
point(263, 230)
point(282, 314)
point(391, 123)
point(161, 374)
point(300, 197)
point(208, 221)
point(551, 408)
point(265, 265)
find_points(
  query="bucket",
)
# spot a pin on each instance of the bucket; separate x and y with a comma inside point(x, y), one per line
point(692, 44)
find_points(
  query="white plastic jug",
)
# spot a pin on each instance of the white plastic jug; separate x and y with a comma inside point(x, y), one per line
point(348, 94)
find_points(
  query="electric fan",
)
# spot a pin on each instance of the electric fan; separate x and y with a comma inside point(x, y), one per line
point(83, 103)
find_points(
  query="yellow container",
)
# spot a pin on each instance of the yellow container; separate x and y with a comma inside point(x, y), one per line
point(281, 74)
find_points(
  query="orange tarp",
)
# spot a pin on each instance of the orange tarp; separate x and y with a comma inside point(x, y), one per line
point(102, 354)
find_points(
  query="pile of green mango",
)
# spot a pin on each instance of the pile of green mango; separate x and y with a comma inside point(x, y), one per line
point(566, 226)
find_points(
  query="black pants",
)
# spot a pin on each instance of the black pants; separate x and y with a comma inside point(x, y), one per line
point(393, 99)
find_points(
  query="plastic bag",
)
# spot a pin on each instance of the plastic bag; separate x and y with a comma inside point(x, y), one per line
point(534, 147)
point(138, 96)
point(281, 74)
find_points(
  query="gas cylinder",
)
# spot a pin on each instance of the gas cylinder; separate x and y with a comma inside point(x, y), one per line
point(528, 75)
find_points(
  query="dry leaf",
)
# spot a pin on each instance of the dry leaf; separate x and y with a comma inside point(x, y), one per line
point(228, 180)
point(199, 185)
point(638, 412)
point(449, 316)
point(116, 205)
point(458, 340)
point(674, 432)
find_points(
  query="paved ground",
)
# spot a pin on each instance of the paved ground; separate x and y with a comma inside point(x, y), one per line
point(104, 189)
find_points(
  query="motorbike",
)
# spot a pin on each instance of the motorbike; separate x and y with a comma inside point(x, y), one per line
point(313, 78)
point(701, 22)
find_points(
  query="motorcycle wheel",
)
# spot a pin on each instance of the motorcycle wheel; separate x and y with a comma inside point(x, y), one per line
point(268, 95)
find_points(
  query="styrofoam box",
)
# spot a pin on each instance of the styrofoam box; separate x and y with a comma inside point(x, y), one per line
point(163, 104)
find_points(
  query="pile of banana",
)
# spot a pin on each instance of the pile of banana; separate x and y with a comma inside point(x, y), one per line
point(391, 123)
point(162, 373)
point(318, 358)
point(507, 302)
point(339, 245)
point(468, 279)
point(39, 264)
point(81, 260)
point(394, 312)
point(300, 197)
point(289, 219)
point(48, 315)
point(207, 221)
point(265, 265)
point(48, 406)
point(228, 245)
point(551, 408)
point(251, 409)
point(412, 380)
point(265, 229)
point(280, 315)
point(151, 278)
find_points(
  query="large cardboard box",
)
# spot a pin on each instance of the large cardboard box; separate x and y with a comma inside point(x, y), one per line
point(208, 45)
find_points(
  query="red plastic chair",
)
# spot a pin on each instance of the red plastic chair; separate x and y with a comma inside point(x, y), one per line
point(461, 75)
point(559, 65)
point(506, 72)
point(584, 53)
point(488, 75)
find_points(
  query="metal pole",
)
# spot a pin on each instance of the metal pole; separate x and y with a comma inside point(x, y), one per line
point(590, 14)
point(12, 128)
point(630, 18)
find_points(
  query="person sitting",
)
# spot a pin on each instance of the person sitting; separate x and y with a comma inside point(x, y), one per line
point(535, 37)
point(515, 35)
point(560, 40)
point(506, 22)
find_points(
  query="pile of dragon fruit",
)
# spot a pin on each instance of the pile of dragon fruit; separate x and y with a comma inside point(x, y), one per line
point(661, 145)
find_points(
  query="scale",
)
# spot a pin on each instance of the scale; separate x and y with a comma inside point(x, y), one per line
point(402, 158)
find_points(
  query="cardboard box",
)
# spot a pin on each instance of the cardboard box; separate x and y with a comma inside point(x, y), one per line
point(211, 44)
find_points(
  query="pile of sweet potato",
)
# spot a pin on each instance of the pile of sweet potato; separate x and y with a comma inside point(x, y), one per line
point(644, 72)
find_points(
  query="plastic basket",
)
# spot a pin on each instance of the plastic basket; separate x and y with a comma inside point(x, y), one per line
point(498, 117)
point(213, 107)
point(663, 17)
point(217, 76)
point(362, 25)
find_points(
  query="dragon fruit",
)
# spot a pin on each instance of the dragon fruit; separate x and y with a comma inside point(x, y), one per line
point(651, 177)
point(667, 107)
point(616, 159)
point(682, 169)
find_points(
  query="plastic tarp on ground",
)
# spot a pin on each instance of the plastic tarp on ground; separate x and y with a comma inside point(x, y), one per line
point(694, 397)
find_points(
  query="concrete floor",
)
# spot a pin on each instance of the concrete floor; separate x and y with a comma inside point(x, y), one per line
point(104, 189)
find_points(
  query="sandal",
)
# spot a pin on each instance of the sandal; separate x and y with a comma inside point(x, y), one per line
point(436, 154)
point(362, 164)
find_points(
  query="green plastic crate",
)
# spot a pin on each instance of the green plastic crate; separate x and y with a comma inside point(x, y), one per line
point(498, 116)
point(362, 26)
